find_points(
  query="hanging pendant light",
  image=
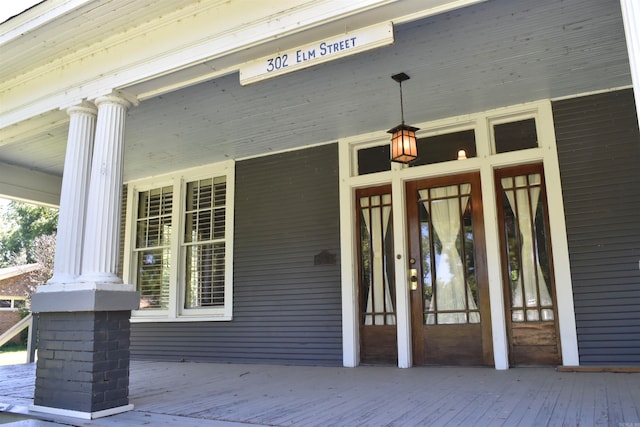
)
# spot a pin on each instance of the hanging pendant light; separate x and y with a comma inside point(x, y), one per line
point(404, 147)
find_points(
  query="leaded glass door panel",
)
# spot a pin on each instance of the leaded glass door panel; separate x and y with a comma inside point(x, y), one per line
point(527, 267)
point(376, 290)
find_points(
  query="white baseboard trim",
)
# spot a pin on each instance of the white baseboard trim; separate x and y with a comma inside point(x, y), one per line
point(80, 414)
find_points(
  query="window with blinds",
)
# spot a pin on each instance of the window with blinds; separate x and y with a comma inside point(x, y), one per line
point(180, 249)
point(204, 243)
point(153, 246)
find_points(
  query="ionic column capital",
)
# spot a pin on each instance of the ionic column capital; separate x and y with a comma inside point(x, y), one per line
point(83, 108)
point(119, 98)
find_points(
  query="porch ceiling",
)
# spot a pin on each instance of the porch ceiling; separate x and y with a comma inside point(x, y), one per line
point(497, 53)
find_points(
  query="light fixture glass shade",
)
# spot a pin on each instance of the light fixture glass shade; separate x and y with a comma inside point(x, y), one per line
point(462, 155)
point(404, 147)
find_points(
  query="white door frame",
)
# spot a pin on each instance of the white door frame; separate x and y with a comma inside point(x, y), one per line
point(485, 163)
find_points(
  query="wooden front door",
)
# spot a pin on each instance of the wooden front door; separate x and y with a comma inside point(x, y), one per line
point(450, 311)
point(527, 267)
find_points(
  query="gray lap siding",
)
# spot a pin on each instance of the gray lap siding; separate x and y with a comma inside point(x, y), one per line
point(599, 154)
point(286, 309)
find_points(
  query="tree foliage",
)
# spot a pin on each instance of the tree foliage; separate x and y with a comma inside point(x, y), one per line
point(22, 224)
point(43, 250)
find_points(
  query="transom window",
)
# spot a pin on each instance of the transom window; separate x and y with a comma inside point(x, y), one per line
point(181, 244)
point(514, 136)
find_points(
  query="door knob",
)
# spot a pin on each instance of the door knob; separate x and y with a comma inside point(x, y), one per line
point(413, 279)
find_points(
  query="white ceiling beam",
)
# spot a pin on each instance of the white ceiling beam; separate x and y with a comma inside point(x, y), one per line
point(47, 11)
point(30, 186)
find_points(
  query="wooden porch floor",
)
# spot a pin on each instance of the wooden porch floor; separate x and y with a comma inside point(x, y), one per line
point(205, 394)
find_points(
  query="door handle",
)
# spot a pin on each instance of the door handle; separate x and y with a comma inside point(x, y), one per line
point(413, 279)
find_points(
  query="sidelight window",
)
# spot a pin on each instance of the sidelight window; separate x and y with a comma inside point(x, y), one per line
point(525, 242)
point(377, 274)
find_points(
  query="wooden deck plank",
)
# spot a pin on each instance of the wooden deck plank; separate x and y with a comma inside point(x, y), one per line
point(544, 413)
point(633, 387)
point(585, 410)
point(462, 411)
point(622, 408)
point(178, 394)
point(600, 404)
point(565, 409)
point(507, 401)
point(421, 404)
point(613, 404)
point(540, 398)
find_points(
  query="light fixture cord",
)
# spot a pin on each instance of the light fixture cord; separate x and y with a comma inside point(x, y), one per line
point(401, 106)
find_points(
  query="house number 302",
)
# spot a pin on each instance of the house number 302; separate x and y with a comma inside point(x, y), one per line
point(277, 63)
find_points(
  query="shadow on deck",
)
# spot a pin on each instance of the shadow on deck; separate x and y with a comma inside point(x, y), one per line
point(208, 394)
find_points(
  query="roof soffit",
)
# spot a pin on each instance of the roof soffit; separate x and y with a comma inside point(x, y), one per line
point(198, 41)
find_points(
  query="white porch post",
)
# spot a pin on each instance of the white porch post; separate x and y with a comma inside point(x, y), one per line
point(88, 317)
point(631, 17)
point(100, 252)
point(75, 182)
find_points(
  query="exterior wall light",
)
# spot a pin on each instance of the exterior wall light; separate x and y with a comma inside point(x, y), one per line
point(403, 138)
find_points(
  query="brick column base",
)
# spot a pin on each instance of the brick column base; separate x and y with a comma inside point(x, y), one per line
point(83, 361)
point(83, 352)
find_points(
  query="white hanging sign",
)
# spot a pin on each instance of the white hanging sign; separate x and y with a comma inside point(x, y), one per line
point(316, 53)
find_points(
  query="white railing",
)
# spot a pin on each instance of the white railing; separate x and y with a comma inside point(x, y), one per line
point(27, 322)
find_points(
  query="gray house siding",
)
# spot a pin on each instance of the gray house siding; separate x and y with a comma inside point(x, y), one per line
point(599, 152)
point(287, 300)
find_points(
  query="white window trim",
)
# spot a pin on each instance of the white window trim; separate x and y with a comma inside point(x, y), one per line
point(13, 300)
point(485, 163)
point(178, 180)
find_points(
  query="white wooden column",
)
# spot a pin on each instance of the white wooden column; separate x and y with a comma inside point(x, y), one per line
point(631, 18)
point(75, 183)
point(101, 242)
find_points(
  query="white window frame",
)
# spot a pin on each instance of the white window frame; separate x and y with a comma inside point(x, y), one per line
point(12, 300)
point(175, 311)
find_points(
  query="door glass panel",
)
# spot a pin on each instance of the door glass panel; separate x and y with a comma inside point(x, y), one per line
point(377, 276)
point(450, 294)
point(527, 249)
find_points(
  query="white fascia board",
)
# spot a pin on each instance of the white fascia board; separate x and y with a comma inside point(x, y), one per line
point(174, 42)
point(35, 17)
point(30, 186)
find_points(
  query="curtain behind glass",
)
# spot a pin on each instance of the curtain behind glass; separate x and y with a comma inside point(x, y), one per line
point(529, 288)
point(444, 205)
point(376, 215)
